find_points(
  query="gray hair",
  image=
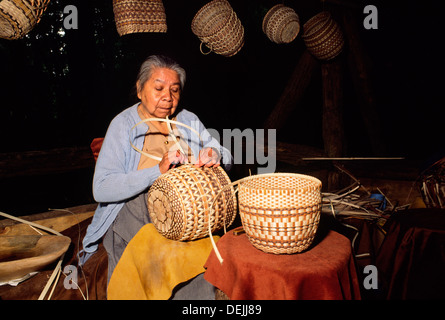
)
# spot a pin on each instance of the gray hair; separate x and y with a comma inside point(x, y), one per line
point(158, 61)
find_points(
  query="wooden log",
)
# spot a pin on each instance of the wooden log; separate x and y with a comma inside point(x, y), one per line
point(293, 92)
point(15, 164)
point(80, 210)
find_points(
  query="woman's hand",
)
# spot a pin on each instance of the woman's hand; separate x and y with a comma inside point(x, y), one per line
point(170, 160)
point(208, 157)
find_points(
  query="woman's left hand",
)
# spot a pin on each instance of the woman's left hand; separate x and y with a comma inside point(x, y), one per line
point(208, 157)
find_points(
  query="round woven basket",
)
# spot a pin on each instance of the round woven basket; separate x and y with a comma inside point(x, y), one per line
point(19, 17)
point(134, 16)
point(323, 36)
point(280, 212)
point(218, 27)
point(281, 24)
point(182, 200)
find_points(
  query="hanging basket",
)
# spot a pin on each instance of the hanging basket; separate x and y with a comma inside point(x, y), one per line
point(281, 24)
point(280, 212)
point(323, 36)
point(185, 203)
point(134, 16)
point(218, 27)
point(19, 17)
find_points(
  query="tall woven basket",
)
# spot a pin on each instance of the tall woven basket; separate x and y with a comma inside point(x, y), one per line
point(281, 24)
point(19, 17)
point(323, 36)
point(183, 202)
point(134, 16)
point(280, 212)
point(218, 27)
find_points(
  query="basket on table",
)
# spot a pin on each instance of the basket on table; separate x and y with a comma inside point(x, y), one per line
point(280, 212)
point(19, 17)
point(323, 36)
point(182, 200)
point(218, 27)
point(281, 24)
point(134, 16)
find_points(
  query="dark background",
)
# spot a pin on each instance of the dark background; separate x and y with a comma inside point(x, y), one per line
point(61, 88)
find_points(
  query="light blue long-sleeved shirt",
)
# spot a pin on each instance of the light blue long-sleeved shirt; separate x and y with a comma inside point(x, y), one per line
point(116, 177)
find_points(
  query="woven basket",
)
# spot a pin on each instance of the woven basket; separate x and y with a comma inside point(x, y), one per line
point(182, 200)
point(280, 212)
point(432, 185)
point(218, 27)
point(133, 16)
point(323, 36)
point(281, 24)
point(18, 17)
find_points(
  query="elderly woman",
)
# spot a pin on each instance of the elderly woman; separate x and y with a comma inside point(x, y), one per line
point(123, 174)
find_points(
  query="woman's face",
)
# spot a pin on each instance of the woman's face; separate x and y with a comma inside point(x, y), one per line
point(161, 93)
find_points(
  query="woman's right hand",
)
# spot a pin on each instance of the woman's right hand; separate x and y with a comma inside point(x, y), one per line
point(170, 160)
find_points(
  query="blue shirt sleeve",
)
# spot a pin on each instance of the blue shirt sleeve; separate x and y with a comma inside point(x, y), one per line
point(116, 177)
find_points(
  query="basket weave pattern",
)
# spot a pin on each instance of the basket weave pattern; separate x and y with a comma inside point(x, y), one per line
point(180, 202)
point(280, 213)
point(323, 36)
point(19, 17)
point(281, 24)
point(218, 27)
point(133, 16)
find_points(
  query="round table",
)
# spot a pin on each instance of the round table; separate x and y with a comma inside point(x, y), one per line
point(326, 270)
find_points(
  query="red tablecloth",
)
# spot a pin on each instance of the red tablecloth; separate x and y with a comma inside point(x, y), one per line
point(325, 271)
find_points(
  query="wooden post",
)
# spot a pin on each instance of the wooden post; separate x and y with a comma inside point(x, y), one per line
point(332, 124)
point(293, 92)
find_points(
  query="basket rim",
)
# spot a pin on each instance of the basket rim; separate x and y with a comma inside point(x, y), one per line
point(276, 20)
point(316, 23)
point(269, 15)
point(279, 174)
point(222, 6)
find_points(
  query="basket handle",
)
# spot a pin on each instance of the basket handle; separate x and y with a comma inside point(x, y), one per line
point(200, 48)
point(170, 134)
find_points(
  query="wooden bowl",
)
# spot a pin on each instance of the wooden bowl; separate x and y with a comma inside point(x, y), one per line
point(20, 255)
